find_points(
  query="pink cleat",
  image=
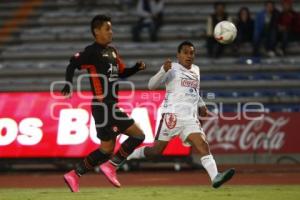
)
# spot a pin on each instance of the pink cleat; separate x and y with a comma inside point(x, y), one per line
point(110, 172)
point(72, 181)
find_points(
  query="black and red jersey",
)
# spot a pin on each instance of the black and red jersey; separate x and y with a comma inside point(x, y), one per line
point(104, 66)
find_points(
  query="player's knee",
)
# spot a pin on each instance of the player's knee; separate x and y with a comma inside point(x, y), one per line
point(107, 155)
point(203, 147)
point(138, 139)
point(141, 137)
point(198, 142)
point(132, 142)
point(203, 143)
point(107, 150)
point(107, 147)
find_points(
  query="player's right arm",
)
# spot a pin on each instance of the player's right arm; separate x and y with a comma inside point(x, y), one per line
point(160, 76)
point(75, 63)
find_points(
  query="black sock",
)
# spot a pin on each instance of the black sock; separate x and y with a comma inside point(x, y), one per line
point(126, 149)
point(95, 158)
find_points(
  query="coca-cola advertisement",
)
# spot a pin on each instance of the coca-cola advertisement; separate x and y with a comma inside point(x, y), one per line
point(44, 124)
point(274, 132)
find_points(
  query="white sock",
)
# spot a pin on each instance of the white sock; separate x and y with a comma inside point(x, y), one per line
point(137, 153)
point(209, 163)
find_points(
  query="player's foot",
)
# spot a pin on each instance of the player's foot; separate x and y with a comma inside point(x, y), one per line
point(110, 172)
point(223, 177)
point(72, 181)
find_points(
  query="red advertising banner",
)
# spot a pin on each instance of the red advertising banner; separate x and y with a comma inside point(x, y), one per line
point(41, 124)
point(271, 132)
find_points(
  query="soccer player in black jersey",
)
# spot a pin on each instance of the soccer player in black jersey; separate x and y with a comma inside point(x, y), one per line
point(104, 66)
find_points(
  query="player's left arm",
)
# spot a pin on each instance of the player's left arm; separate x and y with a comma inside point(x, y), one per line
point(76, 62)
point(126, 72)
point(202, 109)
point(66, 91)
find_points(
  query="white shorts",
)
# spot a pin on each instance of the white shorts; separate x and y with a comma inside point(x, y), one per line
point(171, 126)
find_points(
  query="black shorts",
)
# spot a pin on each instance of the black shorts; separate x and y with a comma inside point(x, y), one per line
point(110, 121)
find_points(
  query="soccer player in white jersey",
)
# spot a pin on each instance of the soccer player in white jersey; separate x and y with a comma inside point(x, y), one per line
point(180, 112)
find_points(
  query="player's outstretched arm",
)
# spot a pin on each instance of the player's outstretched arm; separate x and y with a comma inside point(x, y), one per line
point(202, 110)
point(126, 72)
point(74, 63)
point(160, 76)
point(66, 91)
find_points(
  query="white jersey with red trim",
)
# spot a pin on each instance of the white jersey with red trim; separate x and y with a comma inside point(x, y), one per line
point(182, 90)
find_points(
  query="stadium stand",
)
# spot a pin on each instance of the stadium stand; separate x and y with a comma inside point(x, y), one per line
point(36, 51)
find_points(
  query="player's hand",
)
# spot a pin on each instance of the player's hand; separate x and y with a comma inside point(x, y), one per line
point(141, 65)
point(167, 65)
point(203, 111)
point(66, 91)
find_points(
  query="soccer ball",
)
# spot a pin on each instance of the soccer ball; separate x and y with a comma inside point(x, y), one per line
point(225, 32)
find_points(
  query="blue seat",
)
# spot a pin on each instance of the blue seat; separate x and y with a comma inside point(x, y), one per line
point(261, 76)
point(219, 77)
point(294, 93)
point(238, 77)
point(283, 107)
point(206, 78)
point(290, 76)
point(281, 93)
point(213, 77)
point(223, 94)
point(268, 93)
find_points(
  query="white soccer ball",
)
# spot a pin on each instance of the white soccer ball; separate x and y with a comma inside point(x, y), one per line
point(225, 32)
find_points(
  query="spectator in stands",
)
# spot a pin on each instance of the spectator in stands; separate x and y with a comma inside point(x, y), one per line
point(214, 49)
point(150, 14)
point(288, 25)
point(265, 29)
point(245, 27)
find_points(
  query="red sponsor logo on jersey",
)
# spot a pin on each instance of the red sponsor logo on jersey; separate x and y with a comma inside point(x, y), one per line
point(189, 83)
point(170, 120)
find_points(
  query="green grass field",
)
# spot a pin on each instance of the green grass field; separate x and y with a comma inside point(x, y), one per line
point(158, 193)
